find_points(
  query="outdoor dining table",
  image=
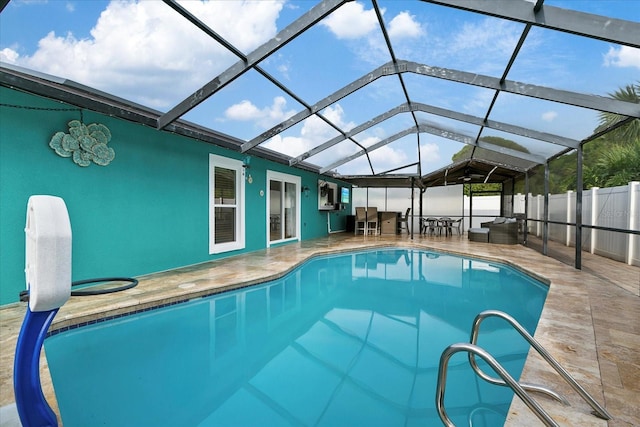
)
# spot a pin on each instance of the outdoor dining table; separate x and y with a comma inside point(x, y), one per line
point(436, 225)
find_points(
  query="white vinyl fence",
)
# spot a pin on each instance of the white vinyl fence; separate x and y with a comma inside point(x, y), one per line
point(615, 207)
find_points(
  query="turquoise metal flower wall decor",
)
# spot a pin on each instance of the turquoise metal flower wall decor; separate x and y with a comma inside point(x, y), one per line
point(84, 144)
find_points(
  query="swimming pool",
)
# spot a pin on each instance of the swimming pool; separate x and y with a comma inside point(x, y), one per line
point(349, 339)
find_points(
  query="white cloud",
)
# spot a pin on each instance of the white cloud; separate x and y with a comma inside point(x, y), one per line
point(9, 55)
point(368, 141)
point(244, 110)
point(386, 157)
point(359, 166)
point(478, 101)
point(290, 145)
point(494, 34)
point(481, 46)
point(145, 52)
point(404, 25)
point(314, 132)
point(283, 69)
point(624, 56)
point(429, 153)
point(265, 117)
point(335, 114)
point(246, 24)
point(351, 21)
point(549, 116)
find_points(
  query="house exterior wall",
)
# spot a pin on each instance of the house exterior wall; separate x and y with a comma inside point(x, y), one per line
point(147, 211)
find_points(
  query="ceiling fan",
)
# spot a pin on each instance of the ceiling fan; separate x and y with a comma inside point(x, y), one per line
point(468, 176)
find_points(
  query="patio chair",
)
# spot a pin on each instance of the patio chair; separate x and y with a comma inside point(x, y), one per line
point(404, 220)
point(360, 221)
point(457, 225)
point(431, 225)
point(372, 220)
point(424, 225)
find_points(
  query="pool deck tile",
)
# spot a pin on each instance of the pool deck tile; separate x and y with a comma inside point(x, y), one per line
point(590, 322)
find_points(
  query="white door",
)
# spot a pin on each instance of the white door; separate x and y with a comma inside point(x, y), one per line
point(283, 207)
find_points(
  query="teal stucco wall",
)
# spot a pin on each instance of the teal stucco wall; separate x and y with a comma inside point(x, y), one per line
point(145, 212)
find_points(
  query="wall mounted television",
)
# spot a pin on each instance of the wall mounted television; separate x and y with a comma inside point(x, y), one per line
point(344, 195)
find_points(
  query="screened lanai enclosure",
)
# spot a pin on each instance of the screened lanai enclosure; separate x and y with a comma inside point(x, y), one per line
point(410, 102)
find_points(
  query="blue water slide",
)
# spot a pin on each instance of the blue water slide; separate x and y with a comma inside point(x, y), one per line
point(30, 401)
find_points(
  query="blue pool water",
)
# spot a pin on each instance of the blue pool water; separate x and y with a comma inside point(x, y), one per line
point(344, 340)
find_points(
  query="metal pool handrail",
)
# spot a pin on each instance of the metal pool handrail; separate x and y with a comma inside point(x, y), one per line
point(598, 411)
point(517, 388)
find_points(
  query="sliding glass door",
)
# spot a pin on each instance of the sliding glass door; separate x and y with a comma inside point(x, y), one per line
point(283, 207)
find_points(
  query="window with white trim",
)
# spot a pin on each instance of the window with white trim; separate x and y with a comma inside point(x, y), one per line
point(226, 204)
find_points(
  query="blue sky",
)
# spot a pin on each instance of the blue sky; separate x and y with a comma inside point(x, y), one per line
point(145, 52)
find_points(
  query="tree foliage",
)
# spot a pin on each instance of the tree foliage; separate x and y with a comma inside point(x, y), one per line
point(465, 153)
point(612, 159)
point(618, 165)
point(630, 131)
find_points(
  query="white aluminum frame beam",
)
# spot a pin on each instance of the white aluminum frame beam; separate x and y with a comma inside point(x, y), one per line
point(462, 117)
point(554, 18)
point(595, 102)
point(316, 14)
point(444, 133)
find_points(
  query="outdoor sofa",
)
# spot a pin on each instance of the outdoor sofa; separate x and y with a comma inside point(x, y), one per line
point(502, 230)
